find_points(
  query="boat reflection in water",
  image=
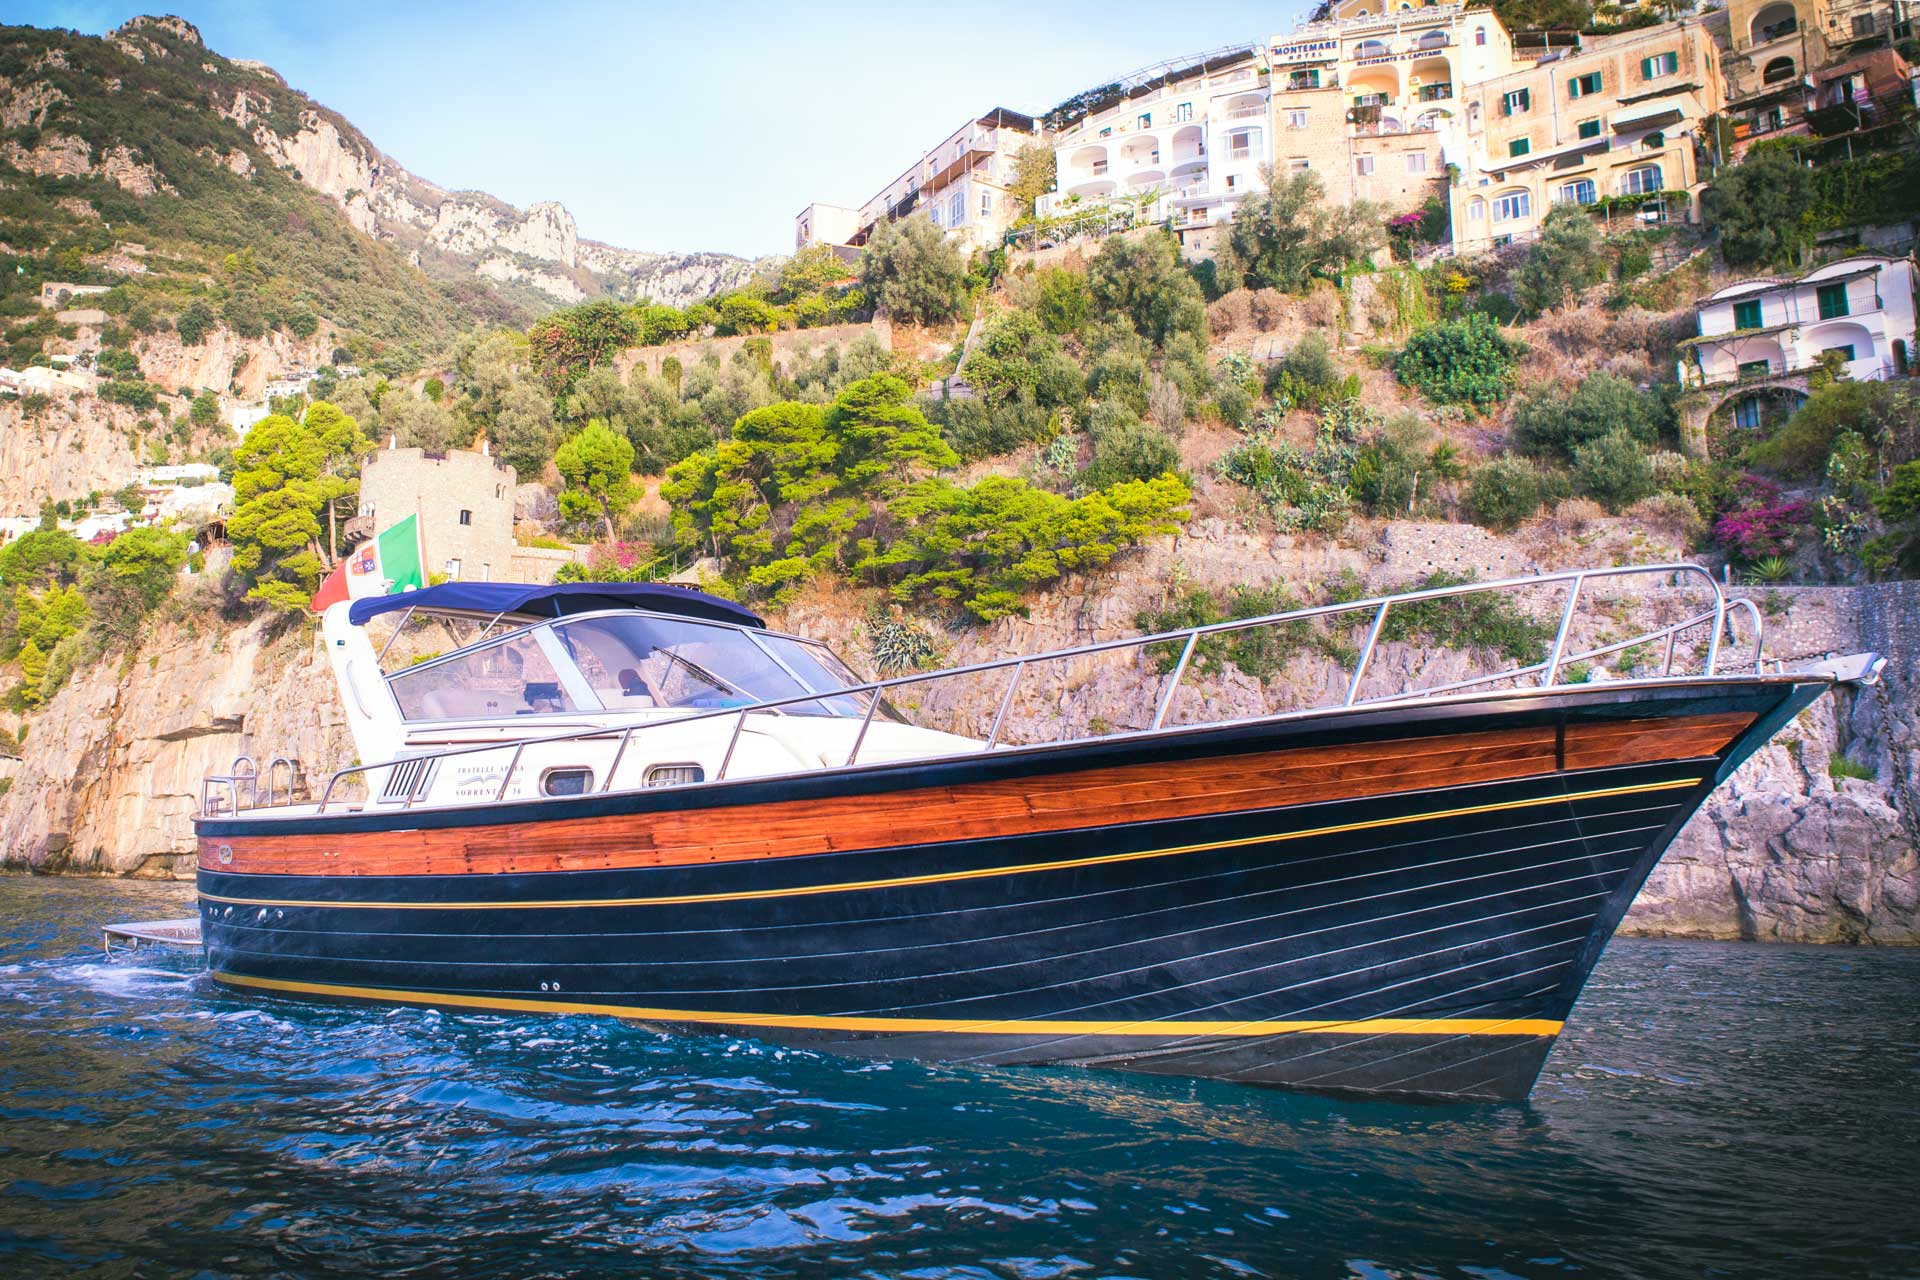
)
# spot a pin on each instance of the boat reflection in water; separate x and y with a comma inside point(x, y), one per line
point(635, 800)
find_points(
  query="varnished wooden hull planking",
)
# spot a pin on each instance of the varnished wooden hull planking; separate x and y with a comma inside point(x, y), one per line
point(1402, 902)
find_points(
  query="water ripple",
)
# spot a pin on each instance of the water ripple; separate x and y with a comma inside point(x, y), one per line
point(1712, 1111)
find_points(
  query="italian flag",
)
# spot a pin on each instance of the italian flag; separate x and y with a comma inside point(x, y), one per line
point(388, 563)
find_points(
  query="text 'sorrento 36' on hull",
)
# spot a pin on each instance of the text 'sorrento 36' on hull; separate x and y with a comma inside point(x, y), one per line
point(636, 801)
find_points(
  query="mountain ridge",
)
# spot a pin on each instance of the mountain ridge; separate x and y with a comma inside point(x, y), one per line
point(533, 259)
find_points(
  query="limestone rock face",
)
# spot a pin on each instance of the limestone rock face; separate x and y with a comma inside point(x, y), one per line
point(77, 445)
point(538, 248)
point(673, 279)
point(81, 443)
point(110, 773)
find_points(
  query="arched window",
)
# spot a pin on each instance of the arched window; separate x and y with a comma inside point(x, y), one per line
point(1772, 22)
point(1778, 70)
point(1579, 191)
point(1370, 49)
point(1480, 35)
point(1476, 210)
point(1641, 181)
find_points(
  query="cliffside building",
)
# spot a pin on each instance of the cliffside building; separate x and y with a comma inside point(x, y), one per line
point(1768, 333)
point(1619, 117)
point(961, 184)
point(465, 503)
point(1778, 56)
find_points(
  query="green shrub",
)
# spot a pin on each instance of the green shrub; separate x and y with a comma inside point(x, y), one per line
point(195, 323)
point(1838, 767)
point(1504, 491)
point(743, 313)
point(134, 395)
point(977, 429)
point(1126, 448)
point(910, 268)
point(1386, 474)
point(1142, 282)
point(1762, 208)
point(1550, 422)
point(982, 547)
point(1121, 376)
point(1064, 301)
point(1614, 470)
point(1877, 410)
point(1563, 261)
point(1466, 362)
point(1016, 358)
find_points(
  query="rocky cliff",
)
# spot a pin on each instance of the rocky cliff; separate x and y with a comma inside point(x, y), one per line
point(531, 255)
point(538, 247)
point(1783, 851)
point(110, 772)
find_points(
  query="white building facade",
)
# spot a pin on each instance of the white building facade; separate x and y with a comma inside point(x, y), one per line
point(1859, 309)
point(960, 184)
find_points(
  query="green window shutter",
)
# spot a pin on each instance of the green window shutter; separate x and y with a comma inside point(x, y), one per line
point(1646, 68)
point(1746, 315)
point(1589, 128)
point(1833, 300)
point(1519, 147)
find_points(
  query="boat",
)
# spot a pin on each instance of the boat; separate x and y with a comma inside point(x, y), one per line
point(636, 800)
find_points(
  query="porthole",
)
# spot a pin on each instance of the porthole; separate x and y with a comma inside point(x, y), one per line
point(673, 775)
point(566, 782)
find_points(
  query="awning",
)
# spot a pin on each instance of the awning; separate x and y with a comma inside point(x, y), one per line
point(1585, 147)
point(555, 600)
point(1647, 116)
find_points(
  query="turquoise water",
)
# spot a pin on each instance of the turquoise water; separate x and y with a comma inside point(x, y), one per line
point(1711, 1111)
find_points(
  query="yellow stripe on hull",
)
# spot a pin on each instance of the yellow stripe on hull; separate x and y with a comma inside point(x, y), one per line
point(1037, 1027)
point(950, 877)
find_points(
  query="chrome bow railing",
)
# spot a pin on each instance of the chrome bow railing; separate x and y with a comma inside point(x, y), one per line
point(415, 771)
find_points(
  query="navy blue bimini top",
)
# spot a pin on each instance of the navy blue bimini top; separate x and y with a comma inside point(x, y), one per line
point(557, 600)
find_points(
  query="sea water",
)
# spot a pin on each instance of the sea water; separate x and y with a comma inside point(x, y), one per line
point(1712, 1110)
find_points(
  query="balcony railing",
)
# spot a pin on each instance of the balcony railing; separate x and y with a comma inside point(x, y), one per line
point(1247, 113)
point(1773, 31)
point(1435, 92)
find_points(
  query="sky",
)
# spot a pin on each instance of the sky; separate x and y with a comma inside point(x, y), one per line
point(684, 126)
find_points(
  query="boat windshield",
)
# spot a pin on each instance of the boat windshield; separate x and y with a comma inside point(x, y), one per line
point(626, 661)
point(637, 660)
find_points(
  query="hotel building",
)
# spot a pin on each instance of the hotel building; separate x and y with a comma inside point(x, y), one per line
point(961, 184)
point(1621, 116)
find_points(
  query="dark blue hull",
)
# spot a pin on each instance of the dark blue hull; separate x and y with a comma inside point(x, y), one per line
point(1430, 941)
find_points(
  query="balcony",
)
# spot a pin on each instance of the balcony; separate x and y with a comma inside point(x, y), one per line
point(1247, 113)
point(1239, 153)
point(1773, 31)
point(1436, 92)
point(1099, 168)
